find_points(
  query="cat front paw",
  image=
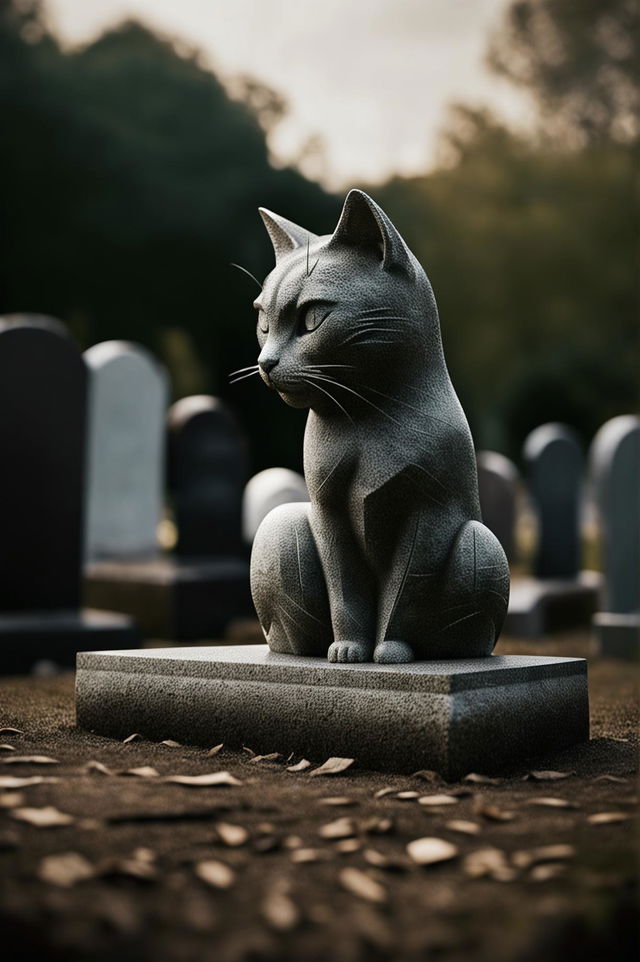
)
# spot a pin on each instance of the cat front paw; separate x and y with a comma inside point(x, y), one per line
point(350, 651)
point(393, 653)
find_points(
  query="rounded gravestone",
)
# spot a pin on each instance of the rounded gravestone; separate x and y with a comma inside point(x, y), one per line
point(43, 383)
point(268, 490)
point(128, 393)
point(555, 467)
point(497, 487)
point(615, 472)
point(207, 473)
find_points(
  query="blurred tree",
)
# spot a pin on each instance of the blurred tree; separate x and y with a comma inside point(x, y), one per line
point(579, 60)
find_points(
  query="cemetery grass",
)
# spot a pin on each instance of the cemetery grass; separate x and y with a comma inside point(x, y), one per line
point(141, 841)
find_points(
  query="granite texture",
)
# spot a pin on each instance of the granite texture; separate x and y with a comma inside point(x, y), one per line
point(392, 539)
point(56, 636)
point(540, 606)
point(453, 716)
point(173, 598)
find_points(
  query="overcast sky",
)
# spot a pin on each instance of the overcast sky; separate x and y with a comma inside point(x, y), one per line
point(371, 77)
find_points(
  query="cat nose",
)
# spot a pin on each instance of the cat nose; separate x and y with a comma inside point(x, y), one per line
point(267, 363)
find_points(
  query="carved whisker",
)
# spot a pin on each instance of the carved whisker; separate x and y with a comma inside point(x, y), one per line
point(434, 417)
point(250, 367)
point(310, 271)
point(335, 401)
point(362, 398)
point(236, 379)
point(248, 273)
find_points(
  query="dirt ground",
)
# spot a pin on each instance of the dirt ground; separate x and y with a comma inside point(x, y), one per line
point(151, 877)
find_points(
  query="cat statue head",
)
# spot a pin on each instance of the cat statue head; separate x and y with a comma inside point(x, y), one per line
point(347, 307)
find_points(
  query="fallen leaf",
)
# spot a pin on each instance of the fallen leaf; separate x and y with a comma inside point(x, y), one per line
point(47, 817)
point(231, 835)
point(544, 873)
point(384, 791)
point(437, 800)
point(612, 778)
point(477, 779)
point(7, 748)
point(492, 812)
point(65, 869)
point(429, 851)
point(428, 776)
point(11, 731)
point(303, 855)
point(279, 911)
point(407, 796)
point(359, 883)
point(544, 853)
point(378, 826)
point(548, 802)
point(144, 771)
point(249, 751)
point(30, 760)
point(607, 818)
point(271, 757)
point(169, 742)
point(142, 869)
point(216, 874)
point(11, 799)
point(97, 768)
point(463, 826)
point(549, 776)
point(346, 846)
point(333, 766)
point(339, 801)
point(215, 750)
point(14, 781)
point(210, 780)
point(131, 738)
point(340, 828)
point(489, 862)
point(301, 766)
point(391, 863)
point(292, 841)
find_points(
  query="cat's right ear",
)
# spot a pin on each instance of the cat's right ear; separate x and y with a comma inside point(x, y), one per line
point(285, 235)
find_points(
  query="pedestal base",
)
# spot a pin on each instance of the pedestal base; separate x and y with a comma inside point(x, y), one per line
point(29, 637)
point(173, 599)
point(451, 716)
point(618, 635)
point(538, 607)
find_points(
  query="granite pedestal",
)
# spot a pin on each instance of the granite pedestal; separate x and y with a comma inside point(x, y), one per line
point(541, 606)
point(171, 598)
point(452, 716)
point(56, 636)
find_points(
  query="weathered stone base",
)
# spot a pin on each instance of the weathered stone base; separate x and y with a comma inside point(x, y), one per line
point(618, 635)
point(56, 636)
point(451, 716)
point(173, 599)
point(539, 607)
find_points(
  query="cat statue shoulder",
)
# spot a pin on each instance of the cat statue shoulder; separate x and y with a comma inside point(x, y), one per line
point(389, 562)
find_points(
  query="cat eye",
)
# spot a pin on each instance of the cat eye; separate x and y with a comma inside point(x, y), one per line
point(263, 322)
point(313, 315)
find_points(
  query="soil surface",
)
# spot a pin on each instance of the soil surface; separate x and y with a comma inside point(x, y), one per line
point(250, 871)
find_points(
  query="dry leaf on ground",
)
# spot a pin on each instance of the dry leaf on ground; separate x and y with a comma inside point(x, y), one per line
point(131, 738)
point(430, 851)
point(607, 818)
point(340, 828)
point(492, 812)
point(543, 873)
point(140, 865)
point(209, 780)
point(271, 757)
point(549, 776)
point(29, 760)
point(437, 800)
point(489, 862)
point(14, 781)
point(11, 799)
point(300, 766)
point(143, 771)
point(303, 855)
point(215, 750)
point(65, 869)
point(97, 768)
point(346, 846)
point(169, 742)
point(333, 766)
point(428, 776)
point(279, 911)
point(47, 817)
point(407, 796)
point(7, 748)
point(392, 863)
point(378, 826)
point(544, 853)
point(357, 882)
point(616, 779)
point(546, 801)
point(11, 731)
point(384, 791)
point(216, 874)
point(231, 835)
point(477, 779)
point(463, 826)
point(339, 801)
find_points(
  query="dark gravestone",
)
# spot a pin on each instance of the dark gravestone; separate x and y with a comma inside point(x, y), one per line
point(43, 385)
point(208, 468)
point(558, 595)
point(498, 489)
point(196, 593)
point(615, 473)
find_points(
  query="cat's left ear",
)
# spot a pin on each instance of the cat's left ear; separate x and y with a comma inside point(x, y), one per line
point(364, 224)
point(285, 235)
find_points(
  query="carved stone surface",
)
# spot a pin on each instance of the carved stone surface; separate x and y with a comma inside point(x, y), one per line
point(453, 716)
point(498, 488)
point(128, 393)
point(615, 473)
point(268, 490)
point(390, 560)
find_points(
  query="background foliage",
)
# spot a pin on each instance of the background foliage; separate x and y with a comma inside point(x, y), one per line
point(130, 178)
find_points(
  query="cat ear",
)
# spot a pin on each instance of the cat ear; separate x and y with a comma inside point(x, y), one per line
point(364, 224)
point(285, 235)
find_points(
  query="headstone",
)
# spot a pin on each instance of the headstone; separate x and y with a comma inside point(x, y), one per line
point(498, 489)
point(615, 473)
point(268, 490)
point(207, 471)
point(558, 595)
point(128, 393)
point(195, 593)
point(43, 382)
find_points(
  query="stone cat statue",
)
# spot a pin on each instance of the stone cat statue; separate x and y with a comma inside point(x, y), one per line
point(389, 562)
